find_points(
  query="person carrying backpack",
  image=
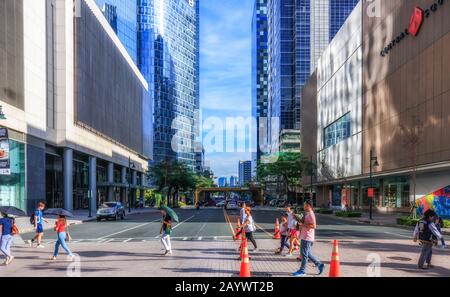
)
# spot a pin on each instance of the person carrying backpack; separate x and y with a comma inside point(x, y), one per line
point(8, 229)
point(37, 220)
point(427, 234)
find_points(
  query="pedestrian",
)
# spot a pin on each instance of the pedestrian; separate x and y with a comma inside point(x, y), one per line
point(249, 227)
point(284, 235)
point(307, 236)
point(38, 222)
point(439, 225)
point(7, 230)
point(292, 231)
point(427, 234)
point(166, 230)
point(242, 217)
point(62, 238)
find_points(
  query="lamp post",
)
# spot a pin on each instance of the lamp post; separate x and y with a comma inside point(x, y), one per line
point(130, 166)
point(2, 115)
point(373, 163)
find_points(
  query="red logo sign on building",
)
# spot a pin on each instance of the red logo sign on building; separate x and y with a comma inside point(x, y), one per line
point(416, 22)
point(370, 192)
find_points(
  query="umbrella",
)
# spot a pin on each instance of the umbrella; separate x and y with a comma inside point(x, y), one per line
point(171, 213)
point(12, 211)
point(58, 212)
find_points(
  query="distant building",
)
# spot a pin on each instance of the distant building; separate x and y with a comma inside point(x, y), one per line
point(234, 181)
point(245, 172)
point(222, 181)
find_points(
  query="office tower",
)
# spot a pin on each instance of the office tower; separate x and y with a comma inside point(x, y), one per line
point(222, 182)
point(234, 182)
point(245, 172)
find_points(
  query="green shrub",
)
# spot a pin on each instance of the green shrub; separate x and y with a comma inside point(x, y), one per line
point(324, 211)
point(407, 221)
point(348, 214)
point(446, 223)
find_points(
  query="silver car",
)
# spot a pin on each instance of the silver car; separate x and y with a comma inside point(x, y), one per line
point(111, 210)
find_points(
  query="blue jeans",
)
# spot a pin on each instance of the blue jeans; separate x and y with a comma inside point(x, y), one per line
point(306, 247)
point(5, 245)
point(284, 242)
point(61, 242)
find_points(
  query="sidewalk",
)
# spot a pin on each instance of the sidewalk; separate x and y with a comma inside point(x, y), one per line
point(81, 216)
point(381, 219)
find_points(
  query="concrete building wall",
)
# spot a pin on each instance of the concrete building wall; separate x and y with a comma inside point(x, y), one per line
point(339, 76)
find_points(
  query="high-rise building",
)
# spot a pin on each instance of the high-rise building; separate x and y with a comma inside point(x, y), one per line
point(168, 55)
point(260, 76)
point(298, 33)
point(122, 17)
point(234, 182)
point(245, 172)
point(165, 36)
point(222, 182)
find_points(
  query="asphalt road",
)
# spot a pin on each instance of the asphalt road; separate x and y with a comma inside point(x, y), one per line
point(213, 224)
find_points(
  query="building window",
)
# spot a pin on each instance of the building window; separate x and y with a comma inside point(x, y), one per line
point(12, 187)
point(337, 131)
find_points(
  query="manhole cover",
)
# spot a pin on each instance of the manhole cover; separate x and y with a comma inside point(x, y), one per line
point(402, 259)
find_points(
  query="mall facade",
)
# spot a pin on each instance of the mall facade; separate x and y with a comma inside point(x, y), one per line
point(78, 111)
point(378, 106)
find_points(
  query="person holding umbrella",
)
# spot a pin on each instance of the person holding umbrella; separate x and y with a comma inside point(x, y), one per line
point(61, 230)
point(166, 228)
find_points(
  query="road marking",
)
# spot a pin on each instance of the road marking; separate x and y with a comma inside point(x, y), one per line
point(396, 234)
point(185, 238)
point(128, 229)
point(200, 238)
point(127, 240)
point(109, 240)
point(176, 226)
point(227, 219)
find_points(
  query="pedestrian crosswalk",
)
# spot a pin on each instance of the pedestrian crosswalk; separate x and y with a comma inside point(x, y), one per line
point(147, 239)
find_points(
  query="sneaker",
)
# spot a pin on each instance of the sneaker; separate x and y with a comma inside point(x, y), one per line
point(299, 274)
point(299, 259)
point(288, 255)
point(430, 266)
point(52, 258)
point(321, 268)
point(70, 258)
point(169, 253)
point(40, 246)
point(30, 243)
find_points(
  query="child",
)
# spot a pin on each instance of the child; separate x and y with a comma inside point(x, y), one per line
point(284, 234)
point(439, 222)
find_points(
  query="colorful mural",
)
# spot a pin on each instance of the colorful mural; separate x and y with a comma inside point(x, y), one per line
point(438, 200)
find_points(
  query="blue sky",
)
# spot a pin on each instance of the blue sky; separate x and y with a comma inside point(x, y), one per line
point(225, 69)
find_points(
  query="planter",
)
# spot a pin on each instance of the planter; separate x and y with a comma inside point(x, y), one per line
point(348, 214)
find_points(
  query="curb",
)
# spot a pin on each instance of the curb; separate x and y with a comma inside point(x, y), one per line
point(375, 223)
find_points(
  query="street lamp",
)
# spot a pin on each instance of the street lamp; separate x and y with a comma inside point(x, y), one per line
point(373, 163)
point(130, 166)
point(2, 115)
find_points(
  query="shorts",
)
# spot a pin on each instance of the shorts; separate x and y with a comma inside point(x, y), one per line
point(293, 233)
point(39, 229)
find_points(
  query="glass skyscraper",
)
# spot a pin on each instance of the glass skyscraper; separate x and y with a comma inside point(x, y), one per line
point(298, 32)
point(163, 39)
point(168, 36)
point(260, 76)
point(122, 16)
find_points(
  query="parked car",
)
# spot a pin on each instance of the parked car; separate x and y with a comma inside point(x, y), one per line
point(232, 205)
point(111, 210)
point(221, 203)
point(281, 203)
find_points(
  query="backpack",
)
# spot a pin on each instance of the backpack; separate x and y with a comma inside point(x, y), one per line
point(32, 218)
point(425, 233)
point(14, 229)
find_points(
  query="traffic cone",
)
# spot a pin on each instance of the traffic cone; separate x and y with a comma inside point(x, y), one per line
point(245, 261)
point(243, 244)
point(335, 267)
point(238, 228)
point(277, 234)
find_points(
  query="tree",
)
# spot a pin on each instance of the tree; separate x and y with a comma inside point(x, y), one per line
point(411, 137)
point(287, 167)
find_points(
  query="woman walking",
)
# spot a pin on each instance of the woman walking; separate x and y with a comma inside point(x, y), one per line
point(6, 239)
point(63, 236)
point(166, 230)
point(249, 227)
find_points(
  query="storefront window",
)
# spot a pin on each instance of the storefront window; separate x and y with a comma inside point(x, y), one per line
point(12, 187)
point(365, 198)
point(396, 193)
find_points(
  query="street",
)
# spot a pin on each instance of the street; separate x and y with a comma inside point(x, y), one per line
point(203, 246)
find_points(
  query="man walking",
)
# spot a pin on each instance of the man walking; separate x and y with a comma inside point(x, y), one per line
point(427, 233)
point(307, 236)
point(38, 225)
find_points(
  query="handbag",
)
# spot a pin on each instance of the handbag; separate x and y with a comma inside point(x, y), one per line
point(14, 229)
point(68, 237)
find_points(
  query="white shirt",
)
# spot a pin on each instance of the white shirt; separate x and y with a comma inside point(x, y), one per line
point(291, 221)
point(250, 227)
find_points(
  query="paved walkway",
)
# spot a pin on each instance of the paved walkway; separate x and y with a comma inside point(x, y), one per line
point(218, 258)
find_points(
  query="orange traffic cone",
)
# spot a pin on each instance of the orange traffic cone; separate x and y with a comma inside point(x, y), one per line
point(277, 234)
point(245, 261)
point(243, 244)
point(238, 228)
point(335, 267)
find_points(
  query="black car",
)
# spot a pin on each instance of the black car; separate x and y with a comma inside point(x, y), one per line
point(111, 210)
